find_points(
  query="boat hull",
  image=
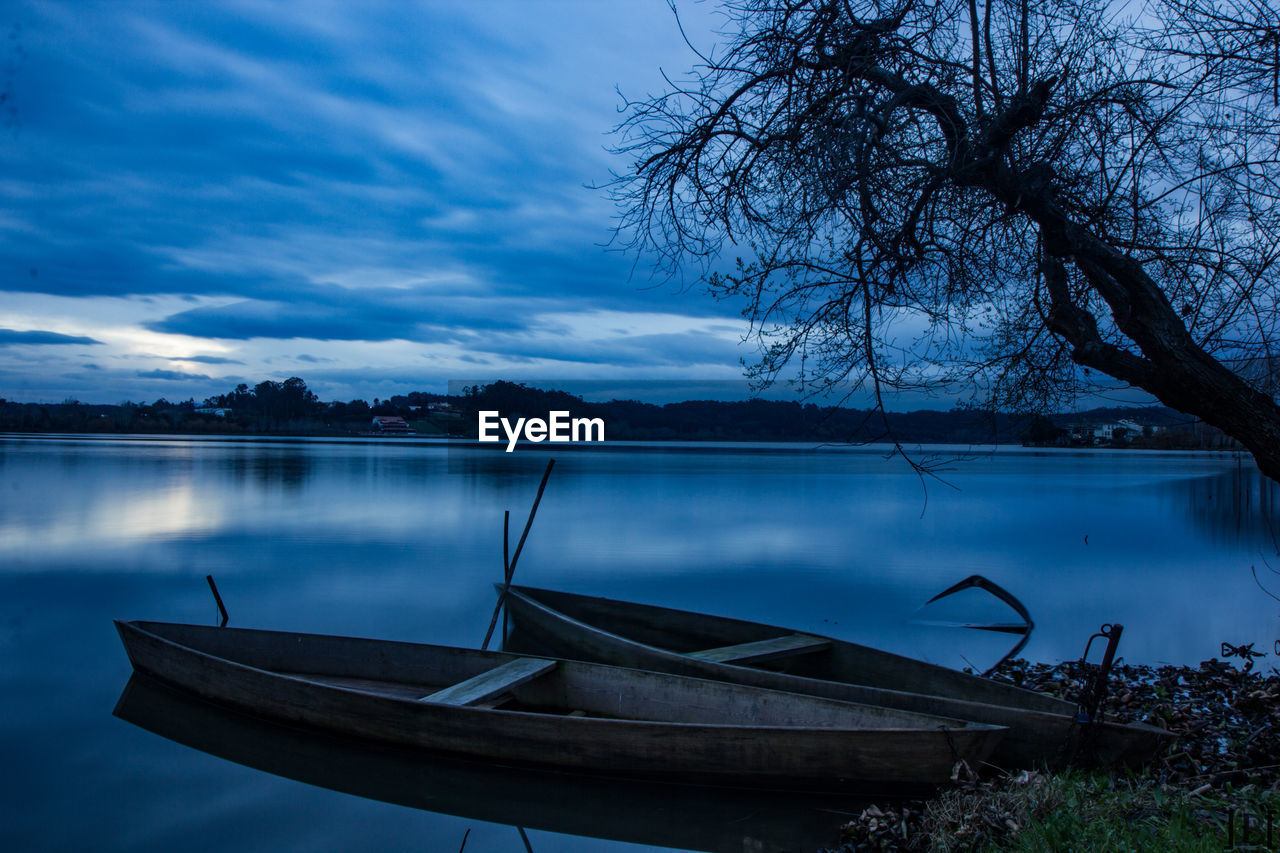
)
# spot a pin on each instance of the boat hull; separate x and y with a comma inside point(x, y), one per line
point(725, 735)
point(1042, 729)
point(637, 812)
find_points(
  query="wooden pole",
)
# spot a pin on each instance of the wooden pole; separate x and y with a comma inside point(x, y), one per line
point(222, 608)
point(509, 569)
point(506, 563)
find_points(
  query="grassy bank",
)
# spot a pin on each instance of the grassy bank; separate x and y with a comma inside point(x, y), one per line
point(1211, 790)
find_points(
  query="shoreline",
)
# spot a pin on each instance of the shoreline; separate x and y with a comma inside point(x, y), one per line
point(1216, 785)
point(470, 444)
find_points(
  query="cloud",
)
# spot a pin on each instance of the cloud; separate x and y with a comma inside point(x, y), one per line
point(14, 337)
point(259, 319)
point(326, 172)
point(687, 349)
point(208, 359)
point(351, 315)
point(172, 375)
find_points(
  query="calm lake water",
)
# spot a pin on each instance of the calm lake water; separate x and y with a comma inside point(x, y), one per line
point(404, 541)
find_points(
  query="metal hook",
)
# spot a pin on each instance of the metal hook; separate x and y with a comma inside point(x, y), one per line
point(1094, 689)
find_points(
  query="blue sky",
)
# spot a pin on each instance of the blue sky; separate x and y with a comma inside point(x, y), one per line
point(378, 198)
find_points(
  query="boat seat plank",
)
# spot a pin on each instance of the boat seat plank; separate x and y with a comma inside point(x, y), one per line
point(763, 650)
point(480, 688)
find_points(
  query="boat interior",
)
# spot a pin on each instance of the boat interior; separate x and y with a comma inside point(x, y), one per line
point(732, 641)
point(441, 675)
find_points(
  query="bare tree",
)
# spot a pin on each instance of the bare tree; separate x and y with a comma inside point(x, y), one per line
point(1007, 195)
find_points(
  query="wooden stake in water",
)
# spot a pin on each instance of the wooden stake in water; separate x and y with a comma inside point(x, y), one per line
point(509, 569)
point(506, 563)
point(222, 608)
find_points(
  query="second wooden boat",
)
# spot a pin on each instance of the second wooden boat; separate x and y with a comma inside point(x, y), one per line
point(1042, 729)
point(565, 715)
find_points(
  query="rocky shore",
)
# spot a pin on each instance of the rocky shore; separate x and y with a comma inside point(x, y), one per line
point(1214, 788)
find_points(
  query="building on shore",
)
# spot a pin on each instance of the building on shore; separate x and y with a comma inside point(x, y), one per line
point(391, 425)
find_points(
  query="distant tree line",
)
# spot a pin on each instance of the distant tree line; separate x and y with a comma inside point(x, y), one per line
point(290, 408)
point(270, 407)
point(771, 420)
point(277, 403)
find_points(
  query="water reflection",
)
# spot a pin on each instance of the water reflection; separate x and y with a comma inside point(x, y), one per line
point(288, 467)
point(390, 539)
point(685, 818)
point(1236, 506)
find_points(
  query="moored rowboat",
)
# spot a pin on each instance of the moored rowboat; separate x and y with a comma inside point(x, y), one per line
point(1042, 729)
point(568, 715)
point(657, 813)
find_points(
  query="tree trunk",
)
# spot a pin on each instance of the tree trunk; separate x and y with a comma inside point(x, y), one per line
point(1171, 365)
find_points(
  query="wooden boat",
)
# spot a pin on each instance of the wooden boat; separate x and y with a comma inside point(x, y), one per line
point(1042, 729)
point(568, 715)
point(657, 813)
